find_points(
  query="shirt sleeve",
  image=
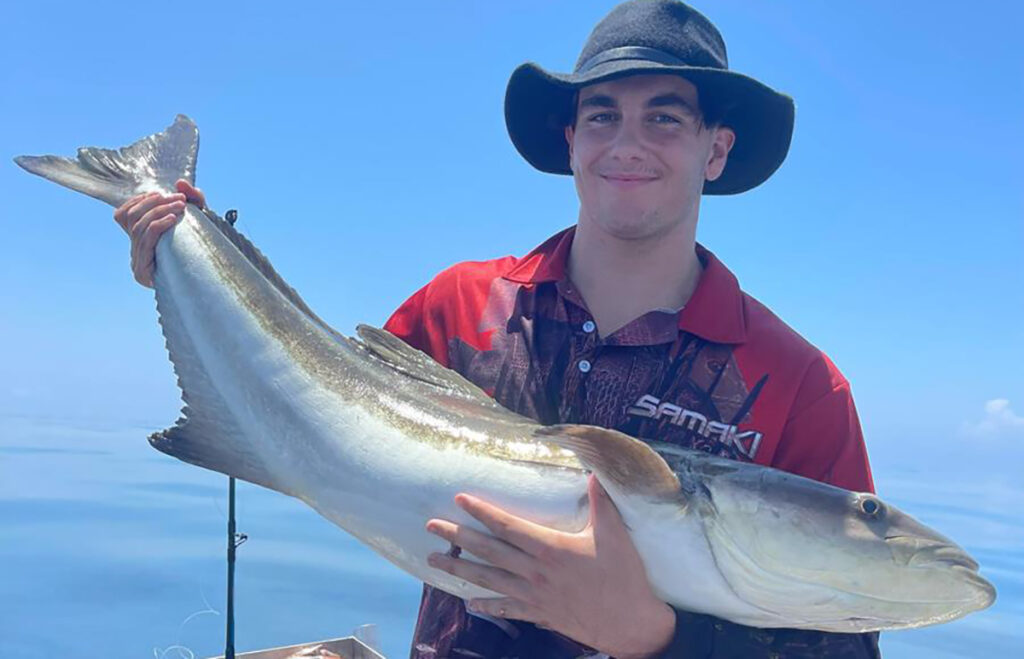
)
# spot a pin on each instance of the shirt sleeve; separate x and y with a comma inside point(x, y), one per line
point(822, 438)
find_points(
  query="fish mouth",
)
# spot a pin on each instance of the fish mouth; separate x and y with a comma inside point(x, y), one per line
point(914, 551)
point(986, 591)
point(943, 556)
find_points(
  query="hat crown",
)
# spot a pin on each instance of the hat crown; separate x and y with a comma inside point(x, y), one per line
point(666, 26)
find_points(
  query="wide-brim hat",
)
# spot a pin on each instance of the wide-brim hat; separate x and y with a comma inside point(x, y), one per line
point(654, 36)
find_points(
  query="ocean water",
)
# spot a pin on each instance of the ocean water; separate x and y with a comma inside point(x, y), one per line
point(111, 549)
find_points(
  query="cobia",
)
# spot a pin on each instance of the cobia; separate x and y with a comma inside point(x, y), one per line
point(378, 438)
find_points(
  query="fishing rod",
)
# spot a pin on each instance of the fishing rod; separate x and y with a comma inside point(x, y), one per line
point(235, 539)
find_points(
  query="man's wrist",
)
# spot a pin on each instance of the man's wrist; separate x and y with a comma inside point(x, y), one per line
point(654, 634)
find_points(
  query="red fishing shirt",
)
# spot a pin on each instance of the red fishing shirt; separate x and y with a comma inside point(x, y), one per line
point(722, 375)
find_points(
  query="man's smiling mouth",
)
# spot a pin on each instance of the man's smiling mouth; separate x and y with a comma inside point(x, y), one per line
point(627, 180)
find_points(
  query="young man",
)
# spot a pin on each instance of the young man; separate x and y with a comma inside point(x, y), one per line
point(625, 322)
point(622, 321)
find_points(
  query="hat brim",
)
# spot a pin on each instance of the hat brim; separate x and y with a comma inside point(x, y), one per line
point(538, 107)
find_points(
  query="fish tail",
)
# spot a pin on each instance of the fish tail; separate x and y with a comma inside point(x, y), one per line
point(153, 163)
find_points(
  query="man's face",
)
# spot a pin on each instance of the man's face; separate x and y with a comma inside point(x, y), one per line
point(640, 154)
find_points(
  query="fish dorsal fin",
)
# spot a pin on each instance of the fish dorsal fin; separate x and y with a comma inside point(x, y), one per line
point(254, 256)
point(628, 464)
point(402, 357)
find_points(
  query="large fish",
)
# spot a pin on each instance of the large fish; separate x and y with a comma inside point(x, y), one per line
point(378, 438)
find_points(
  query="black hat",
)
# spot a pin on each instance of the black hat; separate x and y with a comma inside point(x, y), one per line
point(654, 36)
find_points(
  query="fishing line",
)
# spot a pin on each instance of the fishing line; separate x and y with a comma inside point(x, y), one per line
point(183, 651)
point(208, 609)
point(179, 648)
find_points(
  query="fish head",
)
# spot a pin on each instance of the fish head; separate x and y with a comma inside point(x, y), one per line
point(844, 561)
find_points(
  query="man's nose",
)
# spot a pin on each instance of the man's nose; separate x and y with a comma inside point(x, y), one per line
point(627, 144)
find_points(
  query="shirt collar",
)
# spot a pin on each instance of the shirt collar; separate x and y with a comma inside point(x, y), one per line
point(546, 262)
point(714, 312)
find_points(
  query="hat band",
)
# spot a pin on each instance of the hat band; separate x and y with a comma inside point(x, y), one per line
point(630, 52)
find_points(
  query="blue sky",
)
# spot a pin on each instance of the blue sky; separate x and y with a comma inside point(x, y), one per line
point(365, 147)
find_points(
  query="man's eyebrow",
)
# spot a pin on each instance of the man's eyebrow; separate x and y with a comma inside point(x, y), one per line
point(671, 99)
point(598, 101)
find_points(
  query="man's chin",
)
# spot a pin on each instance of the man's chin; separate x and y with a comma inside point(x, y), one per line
point(634, 227)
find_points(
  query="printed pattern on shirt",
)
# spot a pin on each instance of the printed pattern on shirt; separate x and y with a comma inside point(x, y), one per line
point(529, 341)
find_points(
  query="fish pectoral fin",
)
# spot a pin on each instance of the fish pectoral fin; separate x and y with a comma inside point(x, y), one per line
point(401, 356)
point(630, 465)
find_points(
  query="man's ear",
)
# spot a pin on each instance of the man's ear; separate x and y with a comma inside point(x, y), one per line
point(721, 144)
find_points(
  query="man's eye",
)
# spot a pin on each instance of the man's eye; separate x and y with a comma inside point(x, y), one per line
point(664, 119)
point(602, 117)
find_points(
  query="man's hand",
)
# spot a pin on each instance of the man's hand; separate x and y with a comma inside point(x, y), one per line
point(589, 586)
point(145, 217)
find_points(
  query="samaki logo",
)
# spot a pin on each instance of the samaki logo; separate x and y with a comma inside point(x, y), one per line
point(651, 407)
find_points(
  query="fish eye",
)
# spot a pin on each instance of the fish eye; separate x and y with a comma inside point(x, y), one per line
point(871, 507)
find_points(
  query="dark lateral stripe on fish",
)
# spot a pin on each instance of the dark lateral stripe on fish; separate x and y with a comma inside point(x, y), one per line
point(254, 256)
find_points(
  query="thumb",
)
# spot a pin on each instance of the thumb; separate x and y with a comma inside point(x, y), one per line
point(601, 505)
point(192, 193)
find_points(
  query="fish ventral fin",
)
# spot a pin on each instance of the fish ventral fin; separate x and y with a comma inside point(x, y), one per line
point(153, 163)
point(402, 357)
point(628, 464)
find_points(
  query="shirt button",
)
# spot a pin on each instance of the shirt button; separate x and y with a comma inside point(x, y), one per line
point(584, 366)
point(589, 326)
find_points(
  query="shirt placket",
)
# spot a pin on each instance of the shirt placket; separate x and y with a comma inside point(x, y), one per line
point(584, 350)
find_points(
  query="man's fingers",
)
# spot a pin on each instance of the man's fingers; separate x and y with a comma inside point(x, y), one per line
point(600, 503)
point(144, 249)
point(121, 212)
point(509, 608)
point(138, 212)
point(485, 576)
point(154, 213)
point(495, 551)
point(145, 217)
point(516, 531)
point(142, 267)
point(192, 193)
point(125, 216)
point(606, 521)
point(153, 231)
